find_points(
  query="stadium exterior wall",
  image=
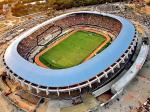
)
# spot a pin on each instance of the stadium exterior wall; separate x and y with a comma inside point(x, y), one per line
point(43, 79)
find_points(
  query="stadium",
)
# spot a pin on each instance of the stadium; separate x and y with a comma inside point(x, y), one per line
point(71, 54)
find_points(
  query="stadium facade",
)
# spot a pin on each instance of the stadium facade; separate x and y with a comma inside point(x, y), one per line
point(87, 76)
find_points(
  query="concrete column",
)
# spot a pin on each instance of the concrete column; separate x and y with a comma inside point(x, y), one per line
point(127, 55)
point(58, 92)
point(80, 89)
point(13, 77)
point(7, 72)
point(122, 60)
point(112, 69)
point(106, 75)
point(22, 83)
point(130, 51)
point(10, 75)
point(118, 65)
point(16, 79)
point(47, 92)
point(37, 89)
point(98, 79)
point(132, 47)
point(69, 91)
point(29, 86)
point(136, 39)
point(89, 84)
point(134, 43)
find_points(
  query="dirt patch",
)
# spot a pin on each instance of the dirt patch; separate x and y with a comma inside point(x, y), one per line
point(146, 10)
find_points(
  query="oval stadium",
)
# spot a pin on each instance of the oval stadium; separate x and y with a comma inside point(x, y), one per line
point(71, 54)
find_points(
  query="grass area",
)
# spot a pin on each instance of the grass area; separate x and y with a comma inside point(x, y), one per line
point(73, 50)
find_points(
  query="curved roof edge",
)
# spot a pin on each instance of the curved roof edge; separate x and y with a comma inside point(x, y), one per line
point(76, 74)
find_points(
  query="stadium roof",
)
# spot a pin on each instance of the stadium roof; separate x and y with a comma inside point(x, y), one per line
point(77, 74)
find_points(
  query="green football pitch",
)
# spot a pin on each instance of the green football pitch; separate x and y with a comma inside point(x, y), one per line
point(73, 50)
